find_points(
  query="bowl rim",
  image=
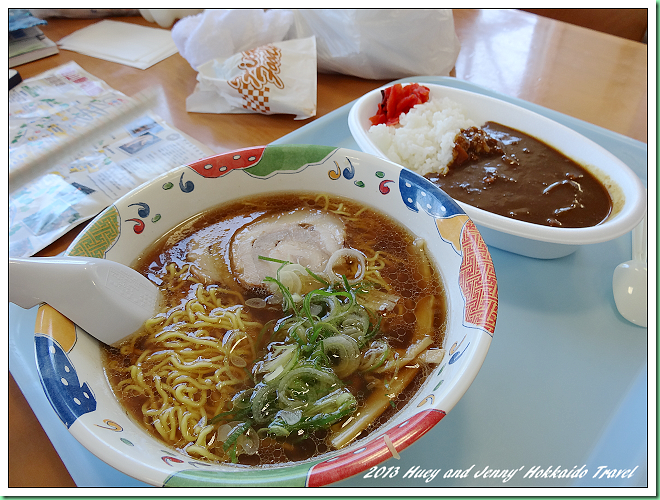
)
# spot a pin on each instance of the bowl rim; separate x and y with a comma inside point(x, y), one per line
point(619, 224)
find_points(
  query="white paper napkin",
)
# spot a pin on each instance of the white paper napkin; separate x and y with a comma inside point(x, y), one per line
point(124, 43)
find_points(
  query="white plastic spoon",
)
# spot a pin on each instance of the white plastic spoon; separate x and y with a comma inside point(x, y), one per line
point(629, 282)
point(108, 300)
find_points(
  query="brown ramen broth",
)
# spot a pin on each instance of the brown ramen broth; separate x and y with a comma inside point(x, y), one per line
point(512, 174)
point(219, 345)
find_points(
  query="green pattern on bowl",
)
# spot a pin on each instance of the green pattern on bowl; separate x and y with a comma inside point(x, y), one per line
point(283, 158)
point(99, 237)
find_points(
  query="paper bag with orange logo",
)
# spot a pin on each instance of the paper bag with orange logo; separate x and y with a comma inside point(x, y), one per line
point(277, 78)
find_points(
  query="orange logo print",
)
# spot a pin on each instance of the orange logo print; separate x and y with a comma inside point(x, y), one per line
point(261, 67)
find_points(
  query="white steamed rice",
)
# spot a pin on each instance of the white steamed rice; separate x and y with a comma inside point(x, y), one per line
point(424, 139)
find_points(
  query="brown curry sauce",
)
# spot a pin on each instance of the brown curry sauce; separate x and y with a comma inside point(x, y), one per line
point(504, 171)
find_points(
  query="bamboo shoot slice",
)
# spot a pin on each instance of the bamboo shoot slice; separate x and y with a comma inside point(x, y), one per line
point(376, 404)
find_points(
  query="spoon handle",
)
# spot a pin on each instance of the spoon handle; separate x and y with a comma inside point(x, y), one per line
point(105, 298)
point(60, 279)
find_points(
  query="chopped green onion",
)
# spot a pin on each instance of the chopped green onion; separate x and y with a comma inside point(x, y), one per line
point(235, 433)
point(344, 354)
point(263, 403)
point(299, 381)
point(301, 386)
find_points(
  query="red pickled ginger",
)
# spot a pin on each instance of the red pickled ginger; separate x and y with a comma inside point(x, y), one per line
point(398, 99)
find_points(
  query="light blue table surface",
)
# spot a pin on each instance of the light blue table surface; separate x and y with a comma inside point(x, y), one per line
point(564, 385)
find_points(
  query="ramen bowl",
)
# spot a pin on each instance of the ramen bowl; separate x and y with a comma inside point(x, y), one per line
point(533, 240)
point(70, 361)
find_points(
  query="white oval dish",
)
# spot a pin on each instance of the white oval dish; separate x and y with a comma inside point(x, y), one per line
point(69, 360)
point(524, 238)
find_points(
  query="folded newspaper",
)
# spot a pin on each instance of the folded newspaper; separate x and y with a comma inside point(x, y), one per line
point(54, 107)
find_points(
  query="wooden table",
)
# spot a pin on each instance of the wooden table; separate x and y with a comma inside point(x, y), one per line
point(595, 77)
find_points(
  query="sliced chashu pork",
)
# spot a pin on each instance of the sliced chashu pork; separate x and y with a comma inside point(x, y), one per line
point(303, 236)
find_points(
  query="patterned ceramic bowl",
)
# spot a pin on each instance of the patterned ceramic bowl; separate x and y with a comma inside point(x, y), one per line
point(69, 360)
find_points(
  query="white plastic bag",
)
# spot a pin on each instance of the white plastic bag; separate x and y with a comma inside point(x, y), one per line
point(165, 18)
point(221, 33)
point(277, 78)
point(381, 43)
